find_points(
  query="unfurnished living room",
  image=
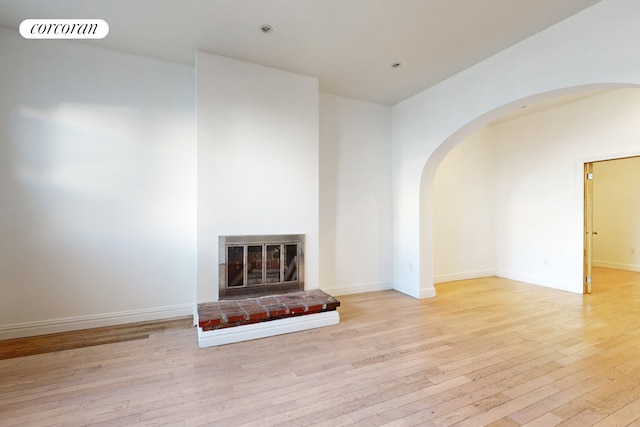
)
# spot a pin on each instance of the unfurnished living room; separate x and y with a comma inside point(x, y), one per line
point(319, 212)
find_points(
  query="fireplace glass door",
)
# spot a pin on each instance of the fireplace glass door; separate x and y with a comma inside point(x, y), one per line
point(235, 266)
point(254, 267)
point(290, 263)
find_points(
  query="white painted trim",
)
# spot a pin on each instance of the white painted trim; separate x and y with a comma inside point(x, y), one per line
point(562, 286)
point(452, 277)
point(19, 330)
point(358, 288)
point(422, 293)
point(405, 289)
point(428, 293)
point(616, 266)
point(196, 315)
point(266, 329)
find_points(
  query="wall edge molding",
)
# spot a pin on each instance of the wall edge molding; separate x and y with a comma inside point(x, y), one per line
point(617, 266)
point(407, 290)
point(43, 327)
point(358, 288)
point(453, 277)
point(538, 281)
point(427, 293)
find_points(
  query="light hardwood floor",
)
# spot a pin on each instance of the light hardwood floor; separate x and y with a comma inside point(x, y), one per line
point(20, 347)
point(483, 352)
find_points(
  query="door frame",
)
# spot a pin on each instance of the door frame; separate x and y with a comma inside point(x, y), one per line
point(588, 228)
point(588, 232)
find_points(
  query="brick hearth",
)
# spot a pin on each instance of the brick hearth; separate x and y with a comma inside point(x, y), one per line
point(232, 313)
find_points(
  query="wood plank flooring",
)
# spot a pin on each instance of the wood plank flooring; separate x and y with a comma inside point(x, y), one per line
point(484, 352)
point(20, 347)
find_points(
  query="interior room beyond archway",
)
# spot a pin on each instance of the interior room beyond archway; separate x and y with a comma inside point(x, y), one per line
point(508, 199)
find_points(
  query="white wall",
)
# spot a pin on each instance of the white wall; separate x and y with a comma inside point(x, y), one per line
point(97, 187)
point(616, 212)
point(355, 196)
point(463, 200)
point(590, 50)
point(258, 160)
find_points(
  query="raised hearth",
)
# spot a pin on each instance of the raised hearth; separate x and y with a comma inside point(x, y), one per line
point(229, 321)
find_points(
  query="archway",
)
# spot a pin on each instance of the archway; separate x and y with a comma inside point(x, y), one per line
point(434, 161)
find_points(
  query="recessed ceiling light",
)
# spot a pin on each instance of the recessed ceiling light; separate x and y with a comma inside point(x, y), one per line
point(267, 29)
point(396, 64)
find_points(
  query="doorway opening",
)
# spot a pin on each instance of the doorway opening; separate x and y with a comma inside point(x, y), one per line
point(611, 212)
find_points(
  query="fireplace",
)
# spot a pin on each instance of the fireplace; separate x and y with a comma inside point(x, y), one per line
point(253, 266)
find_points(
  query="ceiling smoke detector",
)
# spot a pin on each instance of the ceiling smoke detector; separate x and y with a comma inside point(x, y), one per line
point(267, 29)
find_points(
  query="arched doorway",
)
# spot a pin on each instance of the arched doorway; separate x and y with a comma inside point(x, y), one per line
point(554, 250)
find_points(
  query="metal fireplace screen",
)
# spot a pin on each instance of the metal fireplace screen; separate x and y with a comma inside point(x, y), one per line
point(260, 265)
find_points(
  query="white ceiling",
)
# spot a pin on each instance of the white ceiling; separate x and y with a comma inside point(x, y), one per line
point(348, 44)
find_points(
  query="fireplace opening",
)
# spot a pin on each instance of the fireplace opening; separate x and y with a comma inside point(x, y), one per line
point(252, 266)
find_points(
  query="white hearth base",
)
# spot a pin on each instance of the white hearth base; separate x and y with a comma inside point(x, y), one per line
point(266, 329)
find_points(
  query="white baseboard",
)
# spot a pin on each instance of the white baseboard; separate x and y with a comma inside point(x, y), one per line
point(358, 289)
point(19, 330)
point(406, 289)
point(452, 277)
point(533, 280)
point(616, 266)
point(427, 293)
point(415, 293)
point(266, 329)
